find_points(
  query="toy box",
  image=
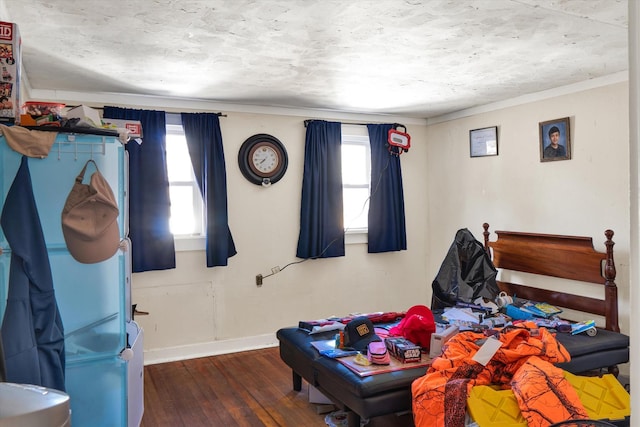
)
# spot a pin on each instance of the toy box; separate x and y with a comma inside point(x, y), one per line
point(40, 113)
point(42, 108)
point(133, 126)
point(10, 66)
point(403, 349)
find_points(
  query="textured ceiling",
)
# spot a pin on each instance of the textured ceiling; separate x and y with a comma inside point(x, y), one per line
point(403, 57)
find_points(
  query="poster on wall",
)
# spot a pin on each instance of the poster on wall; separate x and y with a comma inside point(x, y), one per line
point(9, 72)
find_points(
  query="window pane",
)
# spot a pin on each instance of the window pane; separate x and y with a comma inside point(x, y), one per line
point(178, 160)
point(354, 165)
point(356, 207)
point(186, 202)
point(182, 218)
point(356, 176)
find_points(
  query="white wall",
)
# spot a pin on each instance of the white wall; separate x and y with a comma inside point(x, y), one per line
point(196, 310)
point(515, 191)
point(634, 179)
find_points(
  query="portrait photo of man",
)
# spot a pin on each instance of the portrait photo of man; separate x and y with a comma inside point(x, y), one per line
point(555, 143)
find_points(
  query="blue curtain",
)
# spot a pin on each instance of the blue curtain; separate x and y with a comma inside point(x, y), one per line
point(152, 245)
point(204, 139)
point(387, 228)
point(321, 222)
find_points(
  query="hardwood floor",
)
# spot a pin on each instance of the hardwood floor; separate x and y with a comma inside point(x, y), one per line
point(252, 388)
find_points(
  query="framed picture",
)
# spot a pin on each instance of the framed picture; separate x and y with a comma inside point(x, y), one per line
point(483, 142)
point(555, 140)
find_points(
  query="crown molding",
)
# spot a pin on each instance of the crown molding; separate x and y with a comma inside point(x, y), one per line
point(182, 104)
point(610, 79)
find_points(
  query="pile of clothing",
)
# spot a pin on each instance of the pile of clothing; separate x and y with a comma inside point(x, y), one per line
point(523, 362)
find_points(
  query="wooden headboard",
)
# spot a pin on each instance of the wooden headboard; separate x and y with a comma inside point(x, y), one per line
point(567, 257)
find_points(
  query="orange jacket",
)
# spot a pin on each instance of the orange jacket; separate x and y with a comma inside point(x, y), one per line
point(523, 363)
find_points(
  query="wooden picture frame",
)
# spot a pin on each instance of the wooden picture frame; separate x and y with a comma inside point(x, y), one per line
point(483, 142)
point(555, 140)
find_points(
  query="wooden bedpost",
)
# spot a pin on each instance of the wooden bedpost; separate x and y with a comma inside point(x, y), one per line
point(564, 257)
point(486, 239)
point(610, 287)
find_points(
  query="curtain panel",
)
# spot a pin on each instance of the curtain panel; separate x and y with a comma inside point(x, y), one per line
point(152, 246)
point(204, 139)
point(387, 228)
point(321, 212)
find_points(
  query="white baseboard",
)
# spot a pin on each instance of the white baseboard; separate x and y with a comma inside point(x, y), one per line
point(213, 348)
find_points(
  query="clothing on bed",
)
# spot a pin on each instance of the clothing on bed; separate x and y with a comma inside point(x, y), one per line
point(465, 274)
point(523, 363)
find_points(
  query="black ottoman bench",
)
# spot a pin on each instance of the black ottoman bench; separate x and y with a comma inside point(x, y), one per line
point(362, 397)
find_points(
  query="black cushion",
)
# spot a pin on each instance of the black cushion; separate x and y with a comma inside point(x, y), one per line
point(603, 350)
point(391, 392)
point(581, 344)
point(368, 396)
point(369, 385)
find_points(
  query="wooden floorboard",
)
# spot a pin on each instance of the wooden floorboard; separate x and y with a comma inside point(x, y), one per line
point(248, 389)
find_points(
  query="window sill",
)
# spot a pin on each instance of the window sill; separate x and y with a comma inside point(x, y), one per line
point(189, 243)
point(355, 237)
point(198, 243)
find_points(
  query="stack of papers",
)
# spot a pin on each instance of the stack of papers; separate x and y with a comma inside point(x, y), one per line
point(320, 325)
point(454, 314)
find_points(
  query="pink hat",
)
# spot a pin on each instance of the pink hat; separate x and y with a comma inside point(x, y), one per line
point(89, 219)
point(416, 326)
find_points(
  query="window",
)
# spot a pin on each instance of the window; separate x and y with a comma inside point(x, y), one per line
point(356, 177)
point(186, 202)
point(187, 218)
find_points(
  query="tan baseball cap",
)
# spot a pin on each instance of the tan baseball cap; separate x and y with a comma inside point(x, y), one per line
point(90, 219)
point(31, 143)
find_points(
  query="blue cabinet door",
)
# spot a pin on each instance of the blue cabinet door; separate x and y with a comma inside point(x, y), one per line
point(93, 299)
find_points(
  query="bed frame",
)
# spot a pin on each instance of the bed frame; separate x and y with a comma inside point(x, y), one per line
point(574, 258)
point(568, 257)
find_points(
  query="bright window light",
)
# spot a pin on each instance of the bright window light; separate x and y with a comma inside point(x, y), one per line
point(356, 178)
point(186, 202)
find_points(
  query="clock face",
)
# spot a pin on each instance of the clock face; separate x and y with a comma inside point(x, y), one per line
point(262, 159)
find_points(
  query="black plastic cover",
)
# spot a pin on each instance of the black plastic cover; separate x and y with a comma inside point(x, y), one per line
point(465, 274)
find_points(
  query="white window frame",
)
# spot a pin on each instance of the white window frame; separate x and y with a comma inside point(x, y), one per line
point(195, 241)
point(357, 135)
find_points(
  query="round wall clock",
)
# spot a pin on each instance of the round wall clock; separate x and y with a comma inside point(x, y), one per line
point(263, 159)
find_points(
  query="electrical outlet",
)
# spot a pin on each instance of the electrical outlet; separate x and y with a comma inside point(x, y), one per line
point(259, 280)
